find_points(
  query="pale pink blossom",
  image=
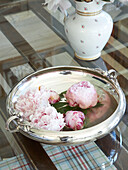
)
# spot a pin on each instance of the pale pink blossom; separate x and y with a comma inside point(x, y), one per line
point(48, 119)
point(31, 101)
point(82, 94)
point(36, 108)
point(54, 97)
point(75, 119)
point(55, 4)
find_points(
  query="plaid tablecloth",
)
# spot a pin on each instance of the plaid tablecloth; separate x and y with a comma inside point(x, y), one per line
point(81, 157)
point(15, 163)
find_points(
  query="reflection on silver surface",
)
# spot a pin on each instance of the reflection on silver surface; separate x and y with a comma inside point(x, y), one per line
point(111, 145)
point(104, 82)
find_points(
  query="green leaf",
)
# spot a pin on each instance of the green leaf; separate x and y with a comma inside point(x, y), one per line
point(62, 95)
point(59, 104)
point(86, 122)
point(84, 111)
point(98, 105)
point(63, 107)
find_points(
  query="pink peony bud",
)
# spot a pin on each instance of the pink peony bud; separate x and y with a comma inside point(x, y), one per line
point(54, 97)
point(75, 119)
point(82, 94)
point(51, 95)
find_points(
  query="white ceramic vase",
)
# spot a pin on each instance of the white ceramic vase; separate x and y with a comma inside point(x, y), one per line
point(88, 29)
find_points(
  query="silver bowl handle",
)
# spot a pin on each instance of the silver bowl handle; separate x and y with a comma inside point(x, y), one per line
point(8, 124)
point(112, 74)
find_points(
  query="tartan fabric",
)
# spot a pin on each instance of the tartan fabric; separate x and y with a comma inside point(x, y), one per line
point(15, 163)
point(84, 157)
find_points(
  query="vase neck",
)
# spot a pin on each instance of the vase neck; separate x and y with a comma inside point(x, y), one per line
point(90, 8)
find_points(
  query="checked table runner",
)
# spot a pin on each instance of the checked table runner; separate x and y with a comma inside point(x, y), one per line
point(81, 157)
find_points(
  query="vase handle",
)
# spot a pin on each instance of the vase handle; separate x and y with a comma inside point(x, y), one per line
point(66, 14)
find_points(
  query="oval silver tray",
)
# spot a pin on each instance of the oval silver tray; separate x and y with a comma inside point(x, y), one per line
point(60, 79)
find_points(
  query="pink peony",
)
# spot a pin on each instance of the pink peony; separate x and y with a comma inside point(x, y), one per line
point(82, 94)
point(48, 119)
point(36, 108)
point(75, 119)
point(54, 97)
point(29, 102)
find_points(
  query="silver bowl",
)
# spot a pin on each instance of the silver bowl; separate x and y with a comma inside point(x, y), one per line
point(60, 79)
